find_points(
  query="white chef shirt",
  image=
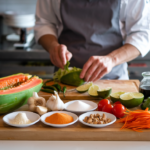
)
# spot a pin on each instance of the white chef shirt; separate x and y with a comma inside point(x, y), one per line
point(134, 21)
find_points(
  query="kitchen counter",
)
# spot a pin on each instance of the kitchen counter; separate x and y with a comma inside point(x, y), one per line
point(34, 60)
point(24, 55)
point(78, 131)
point(35, 52)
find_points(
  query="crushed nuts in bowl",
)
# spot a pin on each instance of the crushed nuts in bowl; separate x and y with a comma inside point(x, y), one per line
point(97, 119)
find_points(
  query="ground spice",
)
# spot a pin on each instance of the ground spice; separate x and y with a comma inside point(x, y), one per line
point(20, 119)
point(59, 118)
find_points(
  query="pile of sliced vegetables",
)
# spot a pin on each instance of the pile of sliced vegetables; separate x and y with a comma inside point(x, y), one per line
point(136, 120)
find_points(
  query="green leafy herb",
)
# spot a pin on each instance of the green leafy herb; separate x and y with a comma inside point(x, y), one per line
point(67, 66)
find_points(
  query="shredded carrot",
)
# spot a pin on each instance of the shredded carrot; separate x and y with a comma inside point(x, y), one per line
point(136, 120)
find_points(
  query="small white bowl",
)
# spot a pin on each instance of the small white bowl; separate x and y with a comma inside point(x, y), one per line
point(108, 115)
point(94, 105)
point(30, 115)
point(43, 117)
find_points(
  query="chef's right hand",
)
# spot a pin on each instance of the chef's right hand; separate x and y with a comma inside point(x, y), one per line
point(59, 55)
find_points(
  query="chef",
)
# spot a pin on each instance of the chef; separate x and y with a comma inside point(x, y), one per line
point(99, 36)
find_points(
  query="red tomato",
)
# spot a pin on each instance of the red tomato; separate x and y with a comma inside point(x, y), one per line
point(102, 103)
point(118, 110)
point(107, 108)
point(118, 102)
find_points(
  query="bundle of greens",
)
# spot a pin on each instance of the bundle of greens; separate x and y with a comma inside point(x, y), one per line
point(69, 75)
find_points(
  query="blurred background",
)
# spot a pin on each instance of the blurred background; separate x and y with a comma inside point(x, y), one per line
point(18, 50)
point(20, 53)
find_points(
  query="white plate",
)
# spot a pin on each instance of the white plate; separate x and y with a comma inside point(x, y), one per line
point(94, 105)
point(31, 116)
point(43, 117)
point(108, 115)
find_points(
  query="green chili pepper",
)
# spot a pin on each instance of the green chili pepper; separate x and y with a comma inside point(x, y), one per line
point(47, 81)
point(48, 91)
point(57, 86)
point(64, 90)
point(50, 87)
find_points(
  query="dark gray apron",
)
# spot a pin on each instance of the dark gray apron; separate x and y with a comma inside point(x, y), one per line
point(91, 27)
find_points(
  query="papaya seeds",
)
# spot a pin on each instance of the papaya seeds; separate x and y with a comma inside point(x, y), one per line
point(17, 96)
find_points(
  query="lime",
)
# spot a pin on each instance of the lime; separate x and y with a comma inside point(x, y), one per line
point(116, 96)
point(84, 88)
point(93, 90)
point(131, 99)
point(104, 93)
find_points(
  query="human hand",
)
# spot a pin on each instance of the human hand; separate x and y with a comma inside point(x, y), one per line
point(59, 55)
point(96, 67)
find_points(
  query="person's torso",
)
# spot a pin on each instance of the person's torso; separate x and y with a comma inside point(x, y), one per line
point(91, 27)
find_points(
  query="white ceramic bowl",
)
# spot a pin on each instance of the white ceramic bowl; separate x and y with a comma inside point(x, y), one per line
point(13, 16)
point(108, 115)
point(94, 105)
point(43, 117)
point(19, 20)
point(31, 116)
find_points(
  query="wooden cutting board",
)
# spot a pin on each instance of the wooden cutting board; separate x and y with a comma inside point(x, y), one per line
point(77, 131)
point(117, 85)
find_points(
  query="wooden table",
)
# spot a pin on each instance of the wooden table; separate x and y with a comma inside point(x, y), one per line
point(78, 131)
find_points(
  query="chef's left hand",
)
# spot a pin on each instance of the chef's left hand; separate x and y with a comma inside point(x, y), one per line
point(96, 67)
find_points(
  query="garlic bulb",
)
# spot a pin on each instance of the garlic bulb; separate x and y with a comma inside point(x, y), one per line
point(34, 101)
point(55, 103)
point(41, 110)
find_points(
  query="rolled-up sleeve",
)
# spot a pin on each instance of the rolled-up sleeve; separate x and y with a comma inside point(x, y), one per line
point(46, 20)
point(137, 25)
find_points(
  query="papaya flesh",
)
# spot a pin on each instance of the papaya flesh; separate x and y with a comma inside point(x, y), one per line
point(16, 89)
point(13, 80)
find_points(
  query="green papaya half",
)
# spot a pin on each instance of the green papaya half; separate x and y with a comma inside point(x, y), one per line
point(14, 96)
point(69, 75)
point(72, 78)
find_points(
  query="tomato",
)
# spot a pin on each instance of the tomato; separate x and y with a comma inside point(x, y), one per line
point(118, 102)
point(102, 103)
point(118, 110)
point(107, 108)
